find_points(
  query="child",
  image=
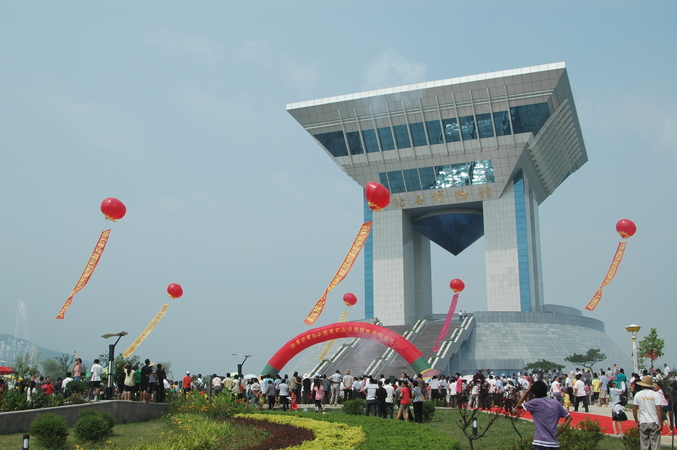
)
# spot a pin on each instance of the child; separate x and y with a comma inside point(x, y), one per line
point(318, 391)
point(567, 398)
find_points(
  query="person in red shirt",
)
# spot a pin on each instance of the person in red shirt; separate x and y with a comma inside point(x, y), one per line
point(48, 387)
point(187, 383)
point(405, 400)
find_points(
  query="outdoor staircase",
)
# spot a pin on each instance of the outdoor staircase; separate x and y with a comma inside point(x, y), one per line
point(452, 345)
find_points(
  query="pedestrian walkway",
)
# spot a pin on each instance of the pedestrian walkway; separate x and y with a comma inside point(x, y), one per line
point(603, 415)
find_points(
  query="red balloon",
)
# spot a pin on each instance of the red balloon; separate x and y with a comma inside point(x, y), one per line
point(626, 228)
point(349, 299)
point(113, 209)
point(174, 290)
point(378, 197)
point(457, 285)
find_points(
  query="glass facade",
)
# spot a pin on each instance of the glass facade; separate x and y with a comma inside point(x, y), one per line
point(355, 143)
point(402, 136)
point(520, 119)
point(368, 252)
point(370, 141)
point(418, 134)
point(438, 177)
point(385, 135)
point(522, 245)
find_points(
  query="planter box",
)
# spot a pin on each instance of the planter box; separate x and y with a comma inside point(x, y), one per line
point(122, 411)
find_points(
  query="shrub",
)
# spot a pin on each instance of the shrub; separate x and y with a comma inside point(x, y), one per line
point(196, 403)
point(110, 420)
point(13, 401)
point(225, 406)
point(355, 407)
point(630, 439)
point(75, 387)
point(50, 431)
point(93, 426)
point(428, 410)
point(584, 437)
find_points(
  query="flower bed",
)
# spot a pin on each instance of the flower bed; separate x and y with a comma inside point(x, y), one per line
point(337, 436)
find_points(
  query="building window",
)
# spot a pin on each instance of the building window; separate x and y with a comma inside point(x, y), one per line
point(418, 134)
point(468, 128)
point(451, 131)
point(396, 182)
point(435, 135)
point(383, 179)
point(354, 143)
point(485, 125)
point(402, 136)
point(427, 175)
point(370, 141)
point(439, 177)
point(386, 137)
point(334, 142)
point(411, 180)
point(529, 118)
point(502, 123)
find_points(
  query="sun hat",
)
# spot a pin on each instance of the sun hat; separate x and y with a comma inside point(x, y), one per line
point(647, 381)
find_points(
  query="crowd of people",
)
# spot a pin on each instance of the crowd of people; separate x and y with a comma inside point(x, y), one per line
point(395, 397)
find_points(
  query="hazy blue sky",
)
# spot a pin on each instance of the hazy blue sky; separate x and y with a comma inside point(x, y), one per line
point(178, 109)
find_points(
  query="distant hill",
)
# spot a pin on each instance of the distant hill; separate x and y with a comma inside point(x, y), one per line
point(11, 347)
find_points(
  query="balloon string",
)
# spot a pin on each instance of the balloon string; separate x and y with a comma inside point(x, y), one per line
point(46, 331)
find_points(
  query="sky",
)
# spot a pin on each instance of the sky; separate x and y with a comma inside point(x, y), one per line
point(178, 109)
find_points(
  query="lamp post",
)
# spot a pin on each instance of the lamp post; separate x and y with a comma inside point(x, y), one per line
point(633, 330)
point(239, 366)
point(111, 357)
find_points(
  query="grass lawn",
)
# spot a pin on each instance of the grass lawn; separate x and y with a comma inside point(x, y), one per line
point(381, 434)
point(126, 435)
point(501, 433)
point(123, 435)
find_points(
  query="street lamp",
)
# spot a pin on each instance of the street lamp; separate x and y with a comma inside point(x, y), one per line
point(239, 366)
point(633, 330)
point(111, 357)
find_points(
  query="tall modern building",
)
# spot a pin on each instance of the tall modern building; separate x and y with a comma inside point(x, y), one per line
point(463, 158)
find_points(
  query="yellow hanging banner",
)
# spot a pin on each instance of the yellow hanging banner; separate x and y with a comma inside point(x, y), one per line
point(87, 273)
point(342, 272)
point(609, 276)
point(146, 332)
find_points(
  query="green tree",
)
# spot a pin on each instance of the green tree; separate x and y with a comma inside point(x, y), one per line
point(57, 366)
point(26, 365)
point(592, 357)
point(543, 366)
point(651, 347)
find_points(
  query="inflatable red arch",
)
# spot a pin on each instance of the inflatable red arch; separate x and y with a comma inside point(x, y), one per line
point(389, 338)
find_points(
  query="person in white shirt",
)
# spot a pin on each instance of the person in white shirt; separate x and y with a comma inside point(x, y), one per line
point(579, 393)
point(370, 390)
point(443, 389)
point(95, 380)
point(65, 381)
point(335, 379)
point(434, 386)
point(647, 410)
point(390, 394)
point(217, 385)
point(348, 386)
point(556, 390)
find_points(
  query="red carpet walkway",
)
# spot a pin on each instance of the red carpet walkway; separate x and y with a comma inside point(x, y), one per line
point(603, 416)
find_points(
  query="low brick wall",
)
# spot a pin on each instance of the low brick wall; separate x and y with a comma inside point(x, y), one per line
point(122, 411)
